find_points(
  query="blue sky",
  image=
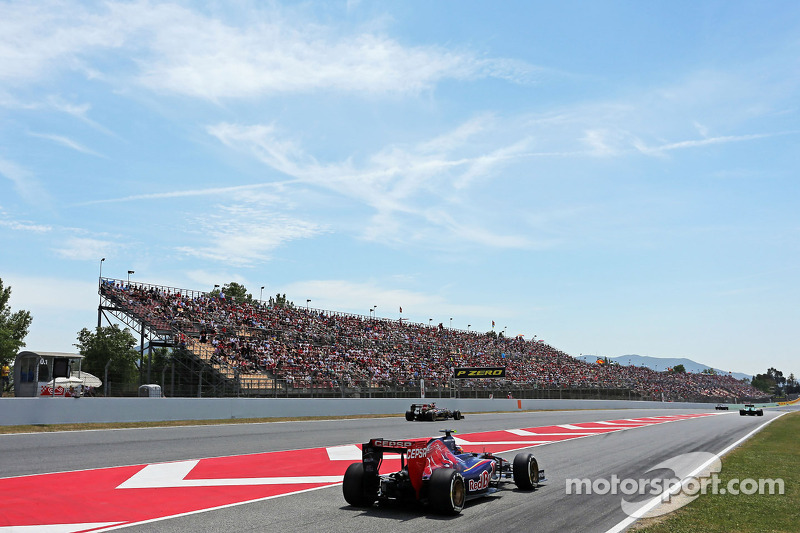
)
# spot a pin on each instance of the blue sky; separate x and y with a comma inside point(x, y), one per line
point(613, 177)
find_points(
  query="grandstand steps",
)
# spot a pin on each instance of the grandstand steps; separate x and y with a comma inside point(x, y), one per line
point(248, 383)
point(206, 353)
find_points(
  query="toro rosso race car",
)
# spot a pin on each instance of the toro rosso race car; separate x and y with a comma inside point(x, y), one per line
point(435, 472)
point(430, 413)
point(750, 410)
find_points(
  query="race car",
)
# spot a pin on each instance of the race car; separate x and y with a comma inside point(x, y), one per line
point(430, 413)
point(721, 407)
point(435, 472)
point(750, 410)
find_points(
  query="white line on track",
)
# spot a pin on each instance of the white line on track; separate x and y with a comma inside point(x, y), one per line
point(171, 475)
point(462, 442)
point(624, 424)
point(56, 528)
point(571, 426)
point(621, 526)
point(526, 433)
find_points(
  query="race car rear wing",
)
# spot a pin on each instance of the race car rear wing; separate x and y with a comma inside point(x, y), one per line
point(412, 456)
point(373, 450)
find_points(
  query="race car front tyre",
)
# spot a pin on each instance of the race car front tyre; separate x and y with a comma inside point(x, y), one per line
point(741, 412)
point(354, 489)
point(457, 415)
point(526, 471)
point(410, 416)
point(446, 491)
point(759, 413)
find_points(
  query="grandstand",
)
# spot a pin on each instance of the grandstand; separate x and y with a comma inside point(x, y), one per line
point(224, 347)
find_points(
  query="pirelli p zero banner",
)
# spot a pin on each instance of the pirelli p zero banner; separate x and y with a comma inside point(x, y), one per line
point(469, 372)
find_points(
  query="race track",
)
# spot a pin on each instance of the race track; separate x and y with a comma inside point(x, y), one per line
point(626, 453)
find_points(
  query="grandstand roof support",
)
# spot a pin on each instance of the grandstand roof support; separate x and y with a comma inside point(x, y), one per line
point(108, 309)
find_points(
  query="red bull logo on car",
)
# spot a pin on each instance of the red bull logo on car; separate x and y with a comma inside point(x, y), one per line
point(481, 483)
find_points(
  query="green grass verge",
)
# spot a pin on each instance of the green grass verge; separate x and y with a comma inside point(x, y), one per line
point(773, 453)
point(48, 428)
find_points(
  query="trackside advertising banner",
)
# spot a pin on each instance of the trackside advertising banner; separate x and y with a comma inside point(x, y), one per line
point(472, 372)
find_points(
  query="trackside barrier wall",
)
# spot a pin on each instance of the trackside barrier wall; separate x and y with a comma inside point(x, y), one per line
point(24, 411)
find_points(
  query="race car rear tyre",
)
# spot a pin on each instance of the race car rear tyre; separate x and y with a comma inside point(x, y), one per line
point(526, 471)
point(430, 416)
point(354, 489)
point(759, 413)
point(741, 412)
point(446, 491)
point(410, 416)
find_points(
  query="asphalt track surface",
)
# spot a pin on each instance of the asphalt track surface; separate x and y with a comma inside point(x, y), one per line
point(626, 454)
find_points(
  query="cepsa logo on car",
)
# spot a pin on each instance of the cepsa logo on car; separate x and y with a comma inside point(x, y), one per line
point(418, 453)
point(380, 443)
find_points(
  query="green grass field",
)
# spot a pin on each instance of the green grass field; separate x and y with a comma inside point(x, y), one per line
point(49, 428)
point(772, 453)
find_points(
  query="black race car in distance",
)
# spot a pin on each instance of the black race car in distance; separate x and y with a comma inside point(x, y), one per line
point(428, 412)
point(721, 407)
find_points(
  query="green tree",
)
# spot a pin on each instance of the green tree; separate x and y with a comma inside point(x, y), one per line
point(109, 344)
point(162, 358)
point(763, 382)
point(792, 386)
point(233, 291)
point(678, 369)
point(13, 326)
point(280, 301)
point(777, 375)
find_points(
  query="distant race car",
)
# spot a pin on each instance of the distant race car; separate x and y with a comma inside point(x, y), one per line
point(750, 410)
point(721, 407)
point(434, 472)
point(430, 413)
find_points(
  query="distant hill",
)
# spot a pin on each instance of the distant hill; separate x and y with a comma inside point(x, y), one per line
point(662, 363)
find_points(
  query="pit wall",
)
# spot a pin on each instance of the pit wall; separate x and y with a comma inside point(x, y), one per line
point(25, 411)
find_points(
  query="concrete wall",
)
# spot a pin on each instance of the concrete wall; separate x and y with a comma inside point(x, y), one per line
point(24, 411)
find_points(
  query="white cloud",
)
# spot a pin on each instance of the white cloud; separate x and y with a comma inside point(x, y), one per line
point(183, 51)
point(358, 298)
point(416, 183)
point(66, 141)
point(25, 183)
point(22, 225)
point(695, 143)
point(60, 307)
point(243, 235)
point(83, 248)
point(36, 293)
point(250, 190)
point(37, 38)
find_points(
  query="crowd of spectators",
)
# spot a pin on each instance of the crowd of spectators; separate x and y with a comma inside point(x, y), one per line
point(313, 348)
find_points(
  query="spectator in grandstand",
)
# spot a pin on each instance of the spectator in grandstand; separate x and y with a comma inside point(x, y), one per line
point(326, 349)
